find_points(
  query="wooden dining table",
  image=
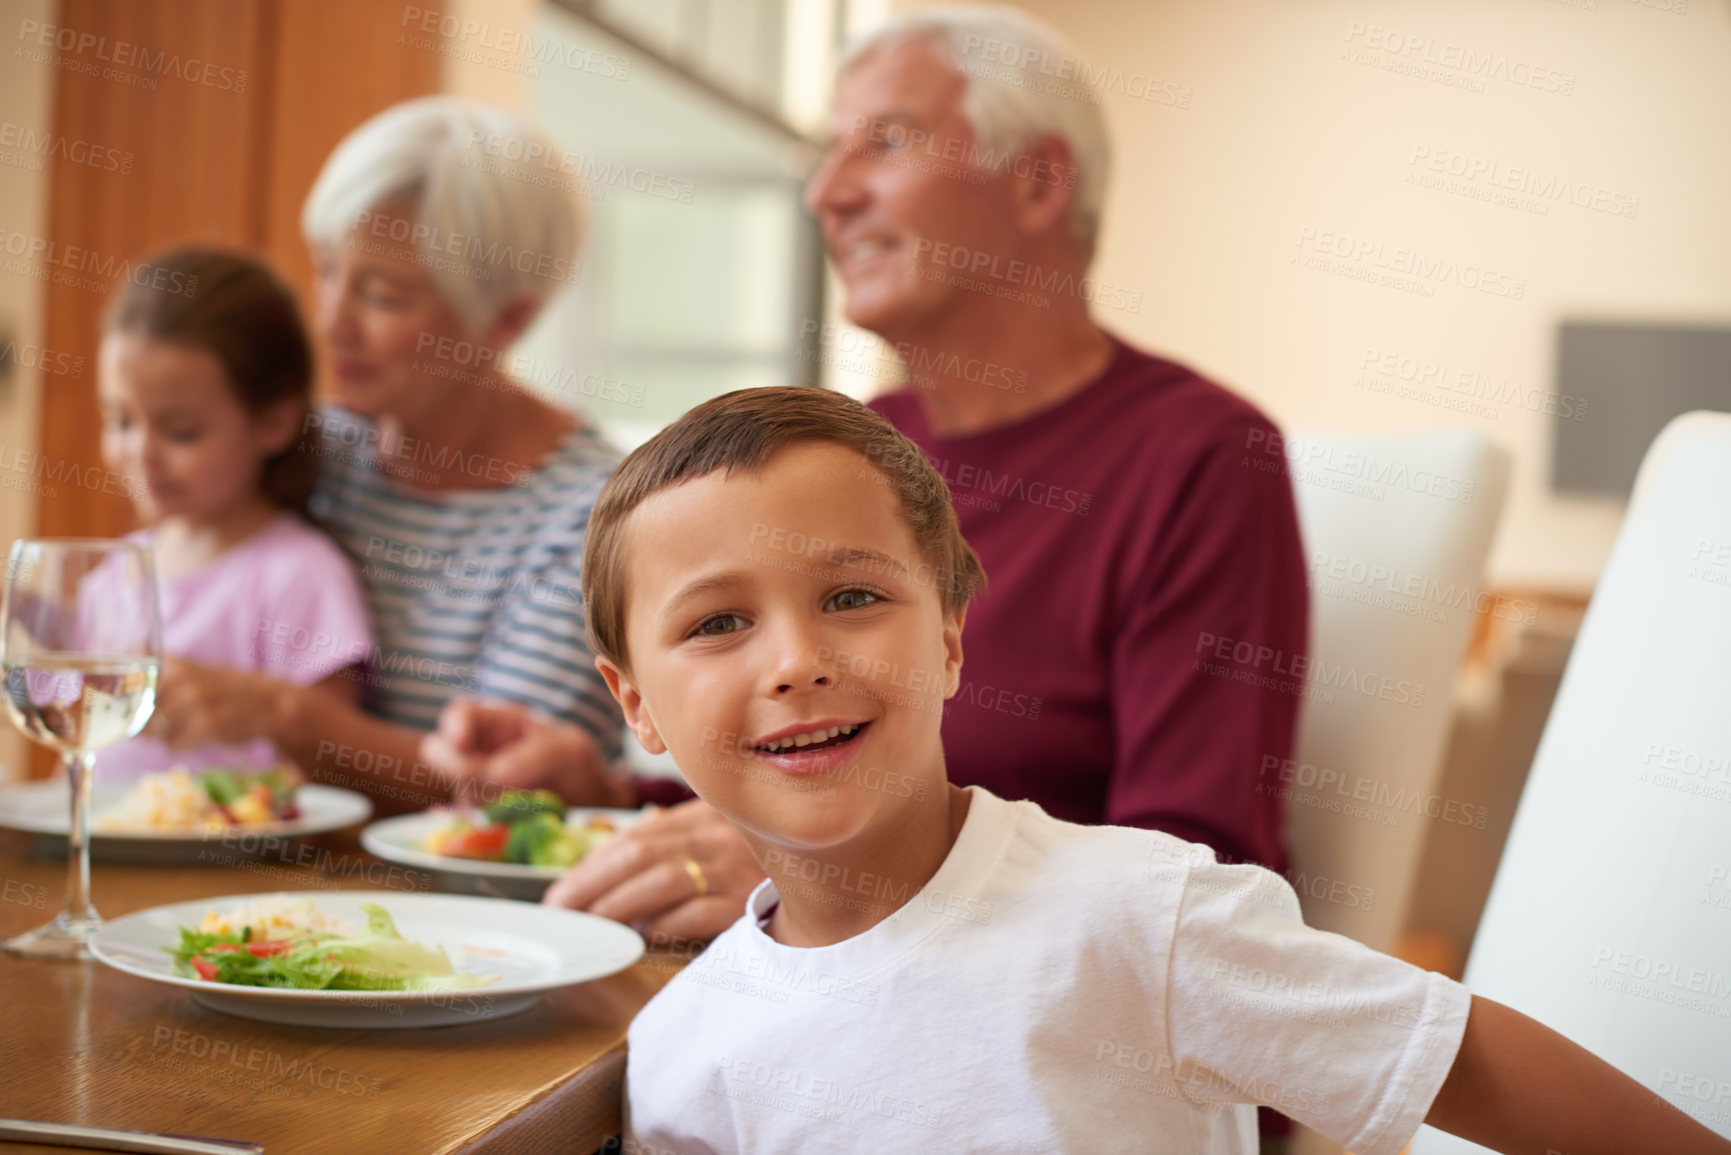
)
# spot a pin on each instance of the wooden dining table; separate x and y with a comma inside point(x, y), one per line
point(83, 1043)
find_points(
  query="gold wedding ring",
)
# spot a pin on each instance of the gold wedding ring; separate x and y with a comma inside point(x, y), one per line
point(698, 878)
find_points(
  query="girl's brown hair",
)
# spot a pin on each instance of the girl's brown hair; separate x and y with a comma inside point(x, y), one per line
point(235, 309)
point(743, 430)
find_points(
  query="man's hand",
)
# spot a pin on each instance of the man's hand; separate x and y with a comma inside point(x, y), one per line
point(196, 704)
point(491, 743)
point(640, 875)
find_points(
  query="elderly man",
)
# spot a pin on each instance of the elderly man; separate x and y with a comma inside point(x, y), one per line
point(1106, 490)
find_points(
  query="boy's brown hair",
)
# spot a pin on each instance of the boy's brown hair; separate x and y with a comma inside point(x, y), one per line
point(743, 430)
point(234, 308)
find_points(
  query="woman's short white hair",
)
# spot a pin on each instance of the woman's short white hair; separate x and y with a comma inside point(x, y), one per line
point(489, 213)
point(1024, 81)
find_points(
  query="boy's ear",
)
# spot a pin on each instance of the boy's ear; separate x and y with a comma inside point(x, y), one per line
point(953, 651)
point(631, 704)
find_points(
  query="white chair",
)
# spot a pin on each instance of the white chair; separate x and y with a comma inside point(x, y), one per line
point(1610, 917)
point(1396, 527)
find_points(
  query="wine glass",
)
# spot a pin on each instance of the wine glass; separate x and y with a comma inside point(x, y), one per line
point(81, 651)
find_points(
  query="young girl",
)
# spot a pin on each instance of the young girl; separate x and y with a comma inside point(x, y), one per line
point(205, 393)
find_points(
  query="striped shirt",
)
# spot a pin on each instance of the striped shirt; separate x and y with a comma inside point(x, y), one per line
point(474, 591)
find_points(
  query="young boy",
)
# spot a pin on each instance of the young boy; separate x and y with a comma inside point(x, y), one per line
point(776, 589)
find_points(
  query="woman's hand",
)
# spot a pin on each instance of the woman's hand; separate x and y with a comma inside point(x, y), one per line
point(196, 704)
point(483, 743)
point(640, 876)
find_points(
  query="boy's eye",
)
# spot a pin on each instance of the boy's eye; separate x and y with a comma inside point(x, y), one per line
point(854, 599)
point(718, 626)
point(183, 435)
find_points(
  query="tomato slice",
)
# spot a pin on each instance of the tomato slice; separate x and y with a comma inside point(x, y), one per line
point(267, 947)
point(206, 970)
point(216, 946)
point(486, 842)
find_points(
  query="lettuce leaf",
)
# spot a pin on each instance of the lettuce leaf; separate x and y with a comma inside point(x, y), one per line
point(377, 959)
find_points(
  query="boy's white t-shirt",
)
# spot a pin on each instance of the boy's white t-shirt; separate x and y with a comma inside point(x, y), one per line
point(1054, 987)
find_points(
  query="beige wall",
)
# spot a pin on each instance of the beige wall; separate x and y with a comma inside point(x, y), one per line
point(479, 76)
point(1286, 132)
point(26, 96)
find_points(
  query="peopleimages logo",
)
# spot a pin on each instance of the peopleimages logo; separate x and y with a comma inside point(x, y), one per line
point(1038, 70)
point(965, 153)
point(1427, 58)
point(1321, 458)
point(123, 55)
point(1326, 569)
point(1365, 258)
point(1217, 655)
point(1460, 388)
point(469, 40)
point(974, 479)
point(1496, 176)
point(1662, 972)
point(472, 256)
point(802, 1093)
point(1188, 1078)
point(981, 266)
point(30, 356)
point(1345, 788)
point(52, 260)
point(523, 156)
point(856, 351)
point(58, 147)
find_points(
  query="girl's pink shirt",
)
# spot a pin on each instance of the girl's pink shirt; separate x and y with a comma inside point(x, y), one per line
point(285, 602)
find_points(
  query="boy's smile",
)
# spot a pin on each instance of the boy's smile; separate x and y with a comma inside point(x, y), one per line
point(804, 751)
point(754, 600)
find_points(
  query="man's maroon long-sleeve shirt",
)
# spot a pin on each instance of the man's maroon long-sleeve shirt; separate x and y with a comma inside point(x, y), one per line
point(1125, 532)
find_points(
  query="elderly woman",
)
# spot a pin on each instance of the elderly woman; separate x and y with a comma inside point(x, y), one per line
point(462, 497)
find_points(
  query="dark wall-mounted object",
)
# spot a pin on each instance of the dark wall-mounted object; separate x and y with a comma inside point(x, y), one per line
point(1634, 378)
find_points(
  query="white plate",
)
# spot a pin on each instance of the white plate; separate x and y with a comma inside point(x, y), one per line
point(44, 808)
point(541, 949)
point(402, 840)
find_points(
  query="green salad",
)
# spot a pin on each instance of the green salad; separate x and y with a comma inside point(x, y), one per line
point(287, 948)
point(527, 827)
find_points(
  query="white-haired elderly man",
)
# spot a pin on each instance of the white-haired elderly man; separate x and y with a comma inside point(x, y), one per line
point(1127, 545)
point(436, 240)
point(1103, 488)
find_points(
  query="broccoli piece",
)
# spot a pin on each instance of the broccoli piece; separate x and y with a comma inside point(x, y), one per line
point(543, 840)
point(517, 805)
